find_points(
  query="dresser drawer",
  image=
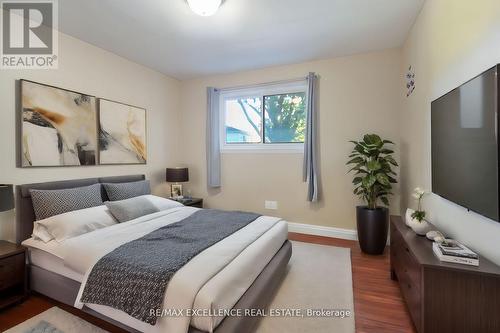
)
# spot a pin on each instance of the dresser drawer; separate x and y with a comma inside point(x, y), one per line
point(12, 271)
point(397, 248)
point(403, 261)
point(411, 268)
point(408, 272)
point(413, 297)
point(396, 243)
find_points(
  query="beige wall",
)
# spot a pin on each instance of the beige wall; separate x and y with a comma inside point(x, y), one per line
point(88, 69)
point(358, 94)
point(451, 42)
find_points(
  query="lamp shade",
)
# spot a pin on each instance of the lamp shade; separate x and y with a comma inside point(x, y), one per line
point(177, 175)
point(6, 198)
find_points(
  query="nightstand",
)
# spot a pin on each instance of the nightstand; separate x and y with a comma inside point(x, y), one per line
point(193, 202)
point(13, 277)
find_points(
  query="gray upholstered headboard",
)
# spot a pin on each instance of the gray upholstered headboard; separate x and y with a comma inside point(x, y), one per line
point(25, 215)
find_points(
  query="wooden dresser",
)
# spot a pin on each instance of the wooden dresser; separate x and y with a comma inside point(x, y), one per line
point(443, 297)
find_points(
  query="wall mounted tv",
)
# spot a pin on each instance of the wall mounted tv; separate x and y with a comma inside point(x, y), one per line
point(465, 143)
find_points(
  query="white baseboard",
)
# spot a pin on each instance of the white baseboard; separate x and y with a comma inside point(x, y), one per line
point(318, 230)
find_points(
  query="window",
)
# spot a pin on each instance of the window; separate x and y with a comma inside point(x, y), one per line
point(243, 117)
point(272, 117)
point(285, 118)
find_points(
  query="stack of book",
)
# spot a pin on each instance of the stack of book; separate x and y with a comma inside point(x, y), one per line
point(455, 252)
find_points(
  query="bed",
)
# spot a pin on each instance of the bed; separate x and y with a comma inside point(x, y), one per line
point(247, 280)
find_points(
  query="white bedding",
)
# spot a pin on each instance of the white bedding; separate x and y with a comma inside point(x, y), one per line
point(51, 262)
point(215, 279)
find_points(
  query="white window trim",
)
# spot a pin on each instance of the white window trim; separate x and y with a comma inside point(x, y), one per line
point(261, 90)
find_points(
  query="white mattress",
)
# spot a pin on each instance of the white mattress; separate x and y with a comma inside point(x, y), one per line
point(222, 291)
point(50, 262)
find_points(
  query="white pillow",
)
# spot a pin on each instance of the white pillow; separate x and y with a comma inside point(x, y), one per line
point(41, 233)
point(72, 224)
point(162, 203)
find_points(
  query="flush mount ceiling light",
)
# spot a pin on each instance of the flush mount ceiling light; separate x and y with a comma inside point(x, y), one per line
point(204, 7)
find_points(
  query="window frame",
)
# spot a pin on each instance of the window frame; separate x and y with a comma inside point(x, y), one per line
point(299, 86)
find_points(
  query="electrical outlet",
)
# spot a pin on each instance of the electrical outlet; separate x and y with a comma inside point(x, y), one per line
point(271, 204)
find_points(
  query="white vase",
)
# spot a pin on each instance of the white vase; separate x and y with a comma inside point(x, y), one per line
point(420, 228)
point(408, 217)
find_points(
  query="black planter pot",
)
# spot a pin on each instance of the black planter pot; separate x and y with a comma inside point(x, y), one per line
point(373, 225)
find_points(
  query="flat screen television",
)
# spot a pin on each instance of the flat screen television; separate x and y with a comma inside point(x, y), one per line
point(464, 139)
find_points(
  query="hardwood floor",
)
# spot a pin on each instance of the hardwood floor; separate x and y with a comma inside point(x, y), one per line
point(37, 304)
point(378, 303)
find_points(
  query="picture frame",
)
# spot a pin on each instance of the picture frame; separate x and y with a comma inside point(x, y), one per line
point(176, 190)
point(122, 133)
point(57, 127)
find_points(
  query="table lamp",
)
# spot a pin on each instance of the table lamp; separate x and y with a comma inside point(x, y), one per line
point(176, 176)
point(6, 197)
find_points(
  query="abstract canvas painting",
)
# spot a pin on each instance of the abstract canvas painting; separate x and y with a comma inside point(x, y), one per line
point(122, 133)
point(58, 126)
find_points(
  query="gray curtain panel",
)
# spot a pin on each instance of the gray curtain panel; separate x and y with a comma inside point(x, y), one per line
point(213, 144)
point(310, 144)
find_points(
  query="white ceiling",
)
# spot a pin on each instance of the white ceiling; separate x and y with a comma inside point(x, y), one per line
point(244, 34)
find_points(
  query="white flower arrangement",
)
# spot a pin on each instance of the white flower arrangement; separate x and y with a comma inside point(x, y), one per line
point(418, 193)
point(419, 214)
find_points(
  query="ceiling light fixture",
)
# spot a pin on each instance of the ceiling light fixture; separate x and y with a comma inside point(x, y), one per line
point(204, 7)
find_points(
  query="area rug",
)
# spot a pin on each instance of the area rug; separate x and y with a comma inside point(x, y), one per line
point(55, 320)
point(319, 279)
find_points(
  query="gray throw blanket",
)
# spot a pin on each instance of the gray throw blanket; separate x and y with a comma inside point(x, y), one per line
point(134, 277)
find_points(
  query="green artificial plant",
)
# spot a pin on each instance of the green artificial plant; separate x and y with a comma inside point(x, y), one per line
point(372, 163)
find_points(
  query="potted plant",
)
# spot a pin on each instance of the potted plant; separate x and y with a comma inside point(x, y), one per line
point(372, 164)
point(417, 223)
